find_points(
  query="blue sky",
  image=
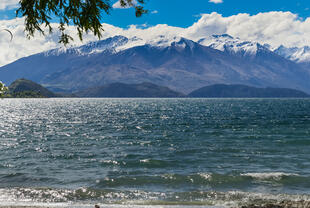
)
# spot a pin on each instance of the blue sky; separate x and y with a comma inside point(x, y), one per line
point(183, 13)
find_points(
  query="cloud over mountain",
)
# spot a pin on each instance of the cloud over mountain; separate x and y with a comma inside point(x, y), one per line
point(273, 28)
point(8, 4)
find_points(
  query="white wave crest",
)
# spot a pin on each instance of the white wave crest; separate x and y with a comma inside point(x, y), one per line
point(270, 175)
point(206, 176)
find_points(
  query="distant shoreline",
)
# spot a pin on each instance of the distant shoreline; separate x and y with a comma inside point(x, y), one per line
point(178, 98)
point(23, 88)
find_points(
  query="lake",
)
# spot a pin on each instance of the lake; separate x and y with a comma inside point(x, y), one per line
point(153, 152)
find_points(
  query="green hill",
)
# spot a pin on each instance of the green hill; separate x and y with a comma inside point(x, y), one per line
point(23, 88)
point(243, 91)
point(121, 90)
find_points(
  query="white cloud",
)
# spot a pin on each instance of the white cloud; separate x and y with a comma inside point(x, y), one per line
point(8, 4)
point(20, 46)
point(216, 1)
point(274, 28)
point(154, 12)
point(117, 5)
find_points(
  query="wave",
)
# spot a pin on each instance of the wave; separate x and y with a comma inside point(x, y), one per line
point(86, 197)
point(269, 176)
point(204, 189)
point(172, 181)
point(210, 181)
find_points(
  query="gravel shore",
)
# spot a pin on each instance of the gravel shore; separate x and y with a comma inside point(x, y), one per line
point(283, 204)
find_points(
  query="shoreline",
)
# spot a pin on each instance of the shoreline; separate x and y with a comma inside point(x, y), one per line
point(282, 204)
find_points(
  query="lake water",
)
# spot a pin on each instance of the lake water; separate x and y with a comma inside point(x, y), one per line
point(153, 152)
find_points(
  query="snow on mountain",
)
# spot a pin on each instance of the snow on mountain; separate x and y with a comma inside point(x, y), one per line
point(299, 55)
point(224, 43)
point(227, 43)
point(116, 44)
point(109, 44)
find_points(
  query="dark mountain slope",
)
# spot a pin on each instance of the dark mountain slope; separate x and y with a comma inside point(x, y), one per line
point(23, 87)
point(243, 91)
point(120, 90)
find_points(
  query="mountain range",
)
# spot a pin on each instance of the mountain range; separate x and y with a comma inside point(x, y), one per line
point(121, 90)
point(178, 63)
point(23, 88)
point(243, 91)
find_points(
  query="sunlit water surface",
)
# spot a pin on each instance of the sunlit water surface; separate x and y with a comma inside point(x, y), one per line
point(151, 152)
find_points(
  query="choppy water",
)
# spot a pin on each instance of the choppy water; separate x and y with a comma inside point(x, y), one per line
point(147, 152)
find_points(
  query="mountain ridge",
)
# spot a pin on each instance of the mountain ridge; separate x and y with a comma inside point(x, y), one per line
point(121, 90)
point(27, 88)
point(23, 88)
point(244, 91)
point(178, 63)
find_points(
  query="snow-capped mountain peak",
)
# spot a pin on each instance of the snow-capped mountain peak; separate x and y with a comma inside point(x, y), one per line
point(224, 42)
point(103, 45)
point(227, 43)
point(109, 44)
point(120, 43)
point(299, 55)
